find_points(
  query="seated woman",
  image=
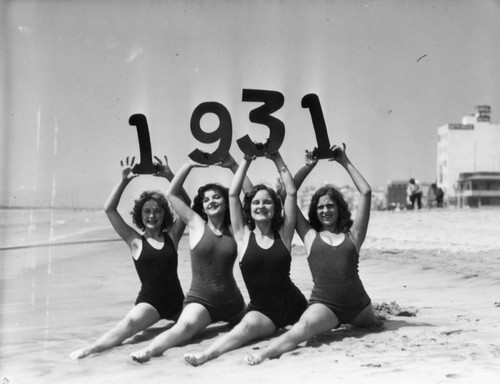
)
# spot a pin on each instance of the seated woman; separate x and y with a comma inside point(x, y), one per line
point(263, 236)
point(213, 295)
point(332, 242)
point(155, 257)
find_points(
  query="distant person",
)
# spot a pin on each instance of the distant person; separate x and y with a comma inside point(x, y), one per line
point(414, 193)
point(431, 196)
point(263, 230)
point(213, 295)
point(332, 241)
point(439, 196)
point(435, 195)
point(154, 251)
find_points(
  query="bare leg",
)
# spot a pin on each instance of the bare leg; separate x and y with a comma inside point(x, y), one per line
point(139, 318)
point(314, 321)
point(194, 318)
point(254, 325)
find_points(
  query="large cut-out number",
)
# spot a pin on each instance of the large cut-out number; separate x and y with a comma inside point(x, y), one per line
point(273, 101)
point(323, 150)
point(224, 133)
point(145, 166)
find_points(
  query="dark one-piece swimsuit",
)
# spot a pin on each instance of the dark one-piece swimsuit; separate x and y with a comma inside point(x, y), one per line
point(160, 286)
point(336, 280)
point(266, 273)
point(213, 284)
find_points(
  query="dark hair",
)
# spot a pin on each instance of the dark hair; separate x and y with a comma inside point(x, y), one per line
point(277, 220)
point(344, 222)
point(198, 200)
point(162, 202)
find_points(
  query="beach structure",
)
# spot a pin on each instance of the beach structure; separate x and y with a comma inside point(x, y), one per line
point(396, 194)
point(466, 148)
point(476, 189)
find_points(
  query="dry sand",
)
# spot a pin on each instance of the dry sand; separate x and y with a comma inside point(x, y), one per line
point(441, 265)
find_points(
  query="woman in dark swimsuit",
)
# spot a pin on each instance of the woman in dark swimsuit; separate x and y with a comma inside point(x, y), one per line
point(332, 242)
point(264, 238)
point(155, 257)
point(213, 295)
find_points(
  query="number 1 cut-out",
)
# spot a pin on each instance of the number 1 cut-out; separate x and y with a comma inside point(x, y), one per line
point(145, 167)
point(323, 150)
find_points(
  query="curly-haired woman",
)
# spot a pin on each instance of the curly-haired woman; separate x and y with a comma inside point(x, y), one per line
point(154, 252)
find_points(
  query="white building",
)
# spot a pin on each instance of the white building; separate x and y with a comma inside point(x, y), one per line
point(472, 146)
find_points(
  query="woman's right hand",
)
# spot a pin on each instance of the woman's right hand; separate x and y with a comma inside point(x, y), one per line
point(310, 159)
point(340, 155)
point(127, 173)
point(195, 164)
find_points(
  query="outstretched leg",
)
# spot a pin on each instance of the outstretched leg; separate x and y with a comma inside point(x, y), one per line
point(315, 320)
point(194, 318)
point(254, 325)
point(140, 317)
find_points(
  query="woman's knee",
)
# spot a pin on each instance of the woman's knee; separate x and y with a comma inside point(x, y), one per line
point(187, 327)
point(366, 318)
point(253, 326)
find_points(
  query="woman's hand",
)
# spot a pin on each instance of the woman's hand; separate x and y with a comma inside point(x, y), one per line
point(228, 162)
point(127, 173)
point(310, 159)
point(163, 169)
point(339, 154)
point(249, 158)
point(195, 164)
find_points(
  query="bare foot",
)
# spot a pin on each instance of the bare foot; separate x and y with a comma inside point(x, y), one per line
point(79, 354)
point(377, 326)
point(141, 356)
point(195, 359)
point(253, 359)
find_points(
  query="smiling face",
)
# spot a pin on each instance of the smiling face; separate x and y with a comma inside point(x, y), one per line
point(262, 207)
point(214, 203)
point(327, 212)
point(152, 214)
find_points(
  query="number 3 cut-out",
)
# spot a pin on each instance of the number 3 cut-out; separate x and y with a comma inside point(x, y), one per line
point(273, 101)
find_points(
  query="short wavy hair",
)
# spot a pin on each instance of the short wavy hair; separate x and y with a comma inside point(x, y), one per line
point(277, 220)
point(162, 202)
point(344, 222)
point(198, 200)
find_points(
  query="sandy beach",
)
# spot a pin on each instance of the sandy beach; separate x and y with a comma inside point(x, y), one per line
point(66, 279)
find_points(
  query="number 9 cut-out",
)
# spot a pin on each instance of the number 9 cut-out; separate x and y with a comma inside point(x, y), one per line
point(223, 133)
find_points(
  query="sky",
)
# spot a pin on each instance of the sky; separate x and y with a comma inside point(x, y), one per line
point(387, 74)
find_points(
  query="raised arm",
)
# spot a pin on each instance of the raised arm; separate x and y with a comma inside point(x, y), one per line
point(235, 208)
point(125, 231)
point(177, 228)
point(305, 170)
point(360, 225)
point(230, 162)
point(175, 195)
point(290, 203)
point(302, 225)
